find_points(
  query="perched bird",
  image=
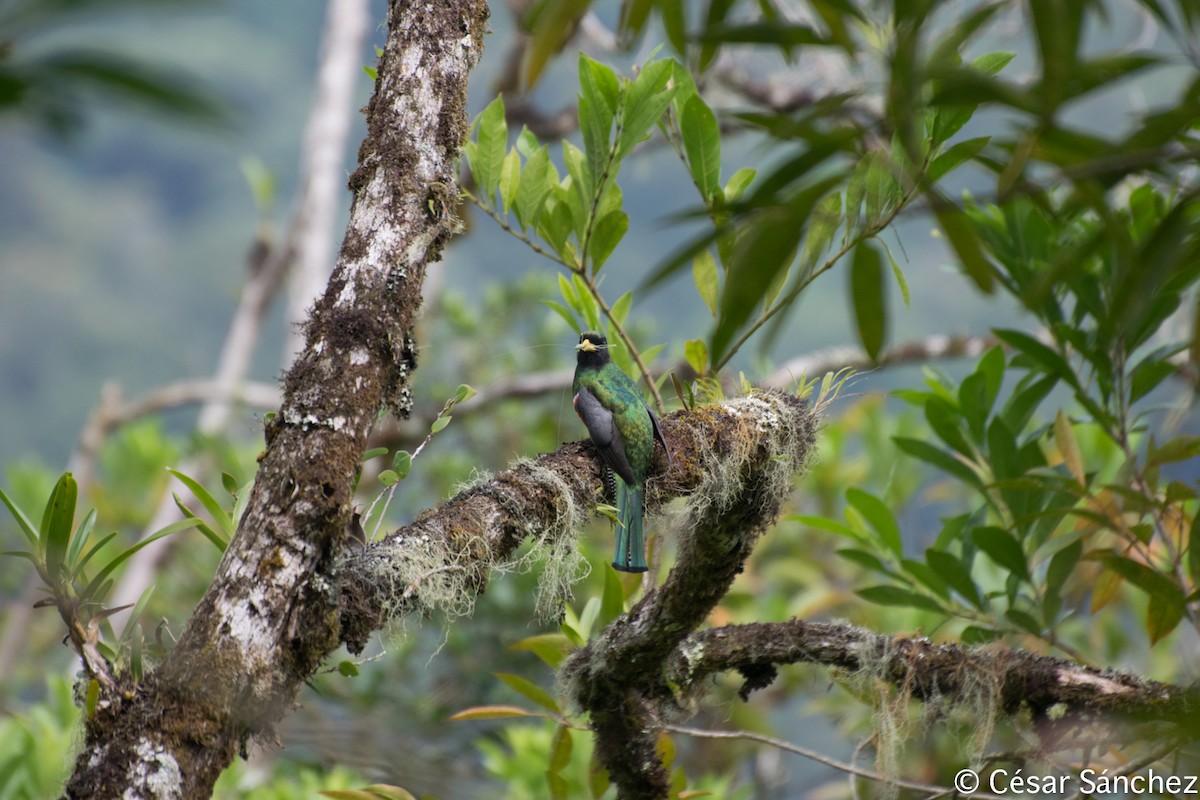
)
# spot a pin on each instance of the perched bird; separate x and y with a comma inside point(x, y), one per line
point(623, 428)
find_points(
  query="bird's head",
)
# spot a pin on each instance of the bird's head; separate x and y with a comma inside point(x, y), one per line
point(592, 348)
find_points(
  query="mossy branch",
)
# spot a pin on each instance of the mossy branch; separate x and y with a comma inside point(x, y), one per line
point(618, 678)
point(1058, 694)
point(443, 559)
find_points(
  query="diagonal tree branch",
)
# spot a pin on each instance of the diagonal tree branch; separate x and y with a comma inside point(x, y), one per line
point(270, 614)
point(1057, 693)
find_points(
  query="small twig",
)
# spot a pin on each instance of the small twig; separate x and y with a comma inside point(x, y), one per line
point(820, 758)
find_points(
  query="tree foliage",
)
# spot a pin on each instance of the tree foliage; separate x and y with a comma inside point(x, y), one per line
point(1062, 478)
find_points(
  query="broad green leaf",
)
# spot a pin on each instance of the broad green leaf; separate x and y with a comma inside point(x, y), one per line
point(388, 477)
point(1024, 620)
point(826, 524)
point(1062, 564)
point(560, 749)
point(1193, 551)
point(704, 274)
point(551, 648)
point(612, 601)
point(533, 189)
point(826, 219)
point(347, 668)
point(867, 294)
point(440, 423)
point(530, 690)
point(510, 179)
point(606, 235)
point(646, 98)
point(491, 137)
point(599, 95)
point(1051, 361)
point(550, 24)
point(738, 183)
point(939, 458)
point(865, 559)
point(57, 522)
point(880, 517)
point(696, 353)
point(966, 244)
point(956, 575)
point(402, 463)
point(897, 596)
point(620, 309)
point(564, 313)
point(1178, 448)
point(463, 393)
point(954, 157)
point(1003, 548)
point(702, 144)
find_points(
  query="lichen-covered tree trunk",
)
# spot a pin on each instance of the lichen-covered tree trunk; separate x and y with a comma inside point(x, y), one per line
point(271, 612)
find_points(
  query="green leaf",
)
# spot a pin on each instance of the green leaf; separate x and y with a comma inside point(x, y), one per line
point(898, 596)
point(510, 179)
point(876, 512)
point(347, 668)
point(1179, 448)
point(530, 690)
point(612, 602)
point(491, 142)
point(23, 522)
point(1062, 564)
point(646, 98)
point(606, 235)
point(738, 183)
point(702, 144)
point(599, 97)
point(92, 593)
point(57, 523)
point(956, 575)
point(533, 189)
point(388, 477)
point(440, 423)
point(867, 293)
point(565, 314)
point(704, 274)
point(1044, 356)
point(1003, 548)
point(939, 458)
point(77, 569)
point(210, 503)
point(966, 244)
point(620, 309)
point(82, 534)
point(1193, 553)
point(696, 353)
point(1068, 447)
point(402, 463)
point(551, 648)
point(954, 157)
point(463, 393)
point(825, 221)
point(560, 749)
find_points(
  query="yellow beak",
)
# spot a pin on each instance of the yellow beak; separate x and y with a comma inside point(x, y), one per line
point(587, 346)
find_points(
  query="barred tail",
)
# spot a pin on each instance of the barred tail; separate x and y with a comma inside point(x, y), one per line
point(631, 552)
